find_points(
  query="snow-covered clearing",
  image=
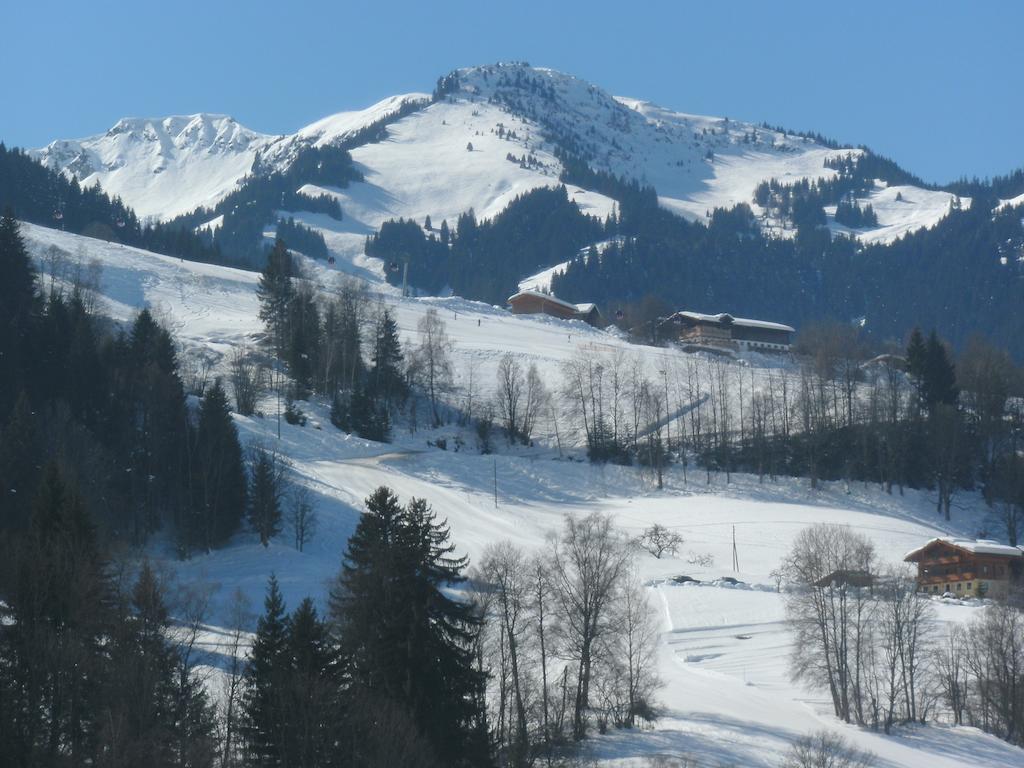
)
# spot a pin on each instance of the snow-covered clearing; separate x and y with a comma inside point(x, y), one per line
point(722, 655)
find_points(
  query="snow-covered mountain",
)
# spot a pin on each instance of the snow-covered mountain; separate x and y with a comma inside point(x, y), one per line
point(161, 167)
point(493, 134)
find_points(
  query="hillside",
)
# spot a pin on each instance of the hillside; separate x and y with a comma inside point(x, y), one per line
point(721, 649)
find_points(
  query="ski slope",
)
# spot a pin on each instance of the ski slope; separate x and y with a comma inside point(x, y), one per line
point(722, 652)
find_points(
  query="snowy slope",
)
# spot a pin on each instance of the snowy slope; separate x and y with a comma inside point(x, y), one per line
point(167, 166)
point(901, 209)
point(161, 167)
point(722, 653)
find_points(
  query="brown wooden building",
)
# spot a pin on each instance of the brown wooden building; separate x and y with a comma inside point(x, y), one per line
point(967, 567)
point(537, 303)
point(724, 331)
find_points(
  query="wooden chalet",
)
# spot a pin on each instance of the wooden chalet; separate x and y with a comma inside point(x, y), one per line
point(537, 303)
point(967, 567)
point(723, 331)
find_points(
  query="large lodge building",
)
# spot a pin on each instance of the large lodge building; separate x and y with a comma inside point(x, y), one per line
point(723, 331)
point(967, 568)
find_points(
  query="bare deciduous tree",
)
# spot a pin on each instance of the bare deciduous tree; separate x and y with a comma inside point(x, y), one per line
point(302, 517)
point(590, 559)
point(826, 750)
point(659, 540)
point(831, 619)
point(431, 359)
point(248, 379)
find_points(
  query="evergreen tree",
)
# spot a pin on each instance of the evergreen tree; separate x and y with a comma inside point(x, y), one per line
point(266, 490)
point(275, 293)
point(313, 690)
point(53, 634)
point(159, 709)
point(404, 638)
point(18, 303)
point(387, 385)
point(159, 454)
point(219, 491)
point(20, 457)
point(304, 339)
point(263, 699)
point(939, 375)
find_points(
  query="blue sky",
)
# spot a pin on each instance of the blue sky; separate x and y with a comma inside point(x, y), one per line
point(937, 85)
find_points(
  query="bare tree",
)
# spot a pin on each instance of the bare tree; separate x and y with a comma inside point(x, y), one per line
point(825, 749)
point(431, 359)
point(589, 562)
point(248, 379)
point(905, 622)
point(659, 540)
point(509, 394)
point(535, 398)
point(239, 619)
point(302, 517)
point(830, 615)
point(632, 647)
point(504, 567)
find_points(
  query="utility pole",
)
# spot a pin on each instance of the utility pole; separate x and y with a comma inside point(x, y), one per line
point(735, 556)
point(405, 279)
point(495, 483)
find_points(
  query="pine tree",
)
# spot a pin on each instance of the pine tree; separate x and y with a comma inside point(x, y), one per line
point(266, 490)
point(275, 293)
point(311, 708)
point(265, 679)
point(405, 639)
point(939, 375)
point(387, 385)
point(304, 339)
point(20, 458)
point(160, 450)
point(219, 476)
point(18, 302)
point(161, 711)
point(54, 632)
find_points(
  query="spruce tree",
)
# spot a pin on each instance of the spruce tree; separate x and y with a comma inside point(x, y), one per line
point(54, 634)
point(275, 293)
point(266, 490)
point(313, 690)
point(218, 473)
point(18, 302)
point(387, 385)
point(160, 708)
point(939, 375)
point(266, 674)
point(404, 638)
point(21, 453)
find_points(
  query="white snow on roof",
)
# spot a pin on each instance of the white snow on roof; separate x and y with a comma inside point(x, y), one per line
point(974, 546)
point(584, 308)
point(721, 316)
point(547, 297)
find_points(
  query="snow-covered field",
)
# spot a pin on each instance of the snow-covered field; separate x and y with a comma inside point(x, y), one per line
point(727, 698)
